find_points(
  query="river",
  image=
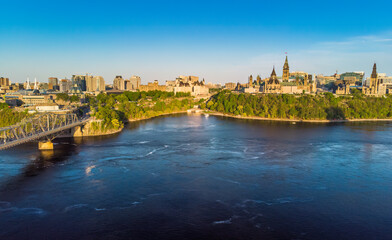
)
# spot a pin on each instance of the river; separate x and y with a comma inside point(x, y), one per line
point(192, 177)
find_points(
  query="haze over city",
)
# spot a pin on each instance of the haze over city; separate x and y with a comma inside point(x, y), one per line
point(220, 41)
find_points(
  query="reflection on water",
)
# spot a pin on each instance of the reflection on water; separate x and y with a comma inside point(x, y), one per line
point(191, 177)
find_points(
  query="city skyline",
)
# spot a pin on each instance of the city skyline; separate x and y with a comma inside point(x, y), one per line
point(216, 41)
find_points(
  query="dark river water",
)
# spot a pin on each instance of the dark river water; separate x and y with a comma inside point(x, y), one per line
point(192, 177)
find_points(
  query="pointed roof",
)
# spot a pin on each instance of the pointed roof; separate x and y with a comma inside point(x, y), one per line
point(273, 72)
point(286, 64)
point(374, 73)
point(273, 79)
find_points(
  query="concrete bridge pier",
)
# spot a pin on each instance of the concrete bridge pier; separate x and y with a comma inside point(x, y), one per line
point(48, 145)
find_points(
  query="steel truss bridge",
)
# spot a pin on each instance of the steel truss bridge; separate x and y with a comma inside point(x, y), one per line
point(40, 126)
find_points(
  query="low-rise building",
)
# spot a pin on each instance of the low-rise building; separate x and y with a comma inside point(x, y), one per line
point(230, 86)
point(154, 86)
point(47, 107)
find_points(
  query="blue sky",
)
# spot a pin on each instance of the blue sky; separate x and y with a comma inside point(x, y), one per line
point(220, 41)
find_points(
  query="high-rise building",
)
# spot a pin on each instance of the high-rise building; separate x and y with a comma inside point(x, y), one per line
point(4, 82)
point(134, 83)
point(119, 83)
point(65, 85)
point(286, 71)
point(53, 83)
point(80, 81)
point(95, 84)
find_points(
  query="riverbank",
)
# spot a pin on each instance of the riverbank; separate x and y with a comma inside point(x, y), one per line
point(238, 117)
point(111, 132)
point(163, 114)
point(296, 120)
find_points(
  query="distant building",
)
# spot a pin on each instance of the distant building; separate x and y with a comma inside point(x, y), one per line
point(272, 85)
point(301, 84)
point(154, 86)
point(375, 87)
point(133, 83)
point(213, 85)
point(49, 107)
point(65, 85)
point(95, 84)
point(4, 82)
point(299, 75)
point(286, 71)
point(53, 83)
point(119, 83)
point(355, 78)
point(80, 81)
point(4, 85)
point(322, 80)
point(230, 86)
point(192, 85)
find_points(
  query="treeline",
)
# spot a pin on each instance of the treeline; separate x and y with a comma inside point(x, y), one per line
point(154, 95)
point(10, 117)
point(309, 107)
point(113, 110)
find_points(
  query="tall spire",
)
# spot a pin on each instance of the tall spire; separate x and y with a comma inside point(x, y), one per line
point(374, 73)
point(28, 84)
point(286, 64)
point(286, 71)
point(35, 84)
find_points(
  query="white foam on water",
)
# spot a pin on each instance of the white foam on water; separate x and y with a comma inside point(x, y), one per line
point(89, 169)
point(30, 211)
point(283, 200)
point(228, 180)
point(148, 154)
point(143, 142)
point(75, 206)
point(154, 194)
point(34, 211)
point(115, 158)
point(228, 221)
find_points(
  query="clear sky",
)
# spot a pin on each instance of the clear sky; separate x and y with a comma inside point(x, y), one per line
point(220, 41)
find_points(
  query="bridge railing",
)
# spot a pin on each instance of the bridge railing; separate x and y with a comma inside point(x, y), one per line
point(37, 126)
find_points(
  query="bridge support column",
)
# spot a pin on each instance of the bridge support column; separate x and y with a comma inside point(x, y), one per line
point(45, 145)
